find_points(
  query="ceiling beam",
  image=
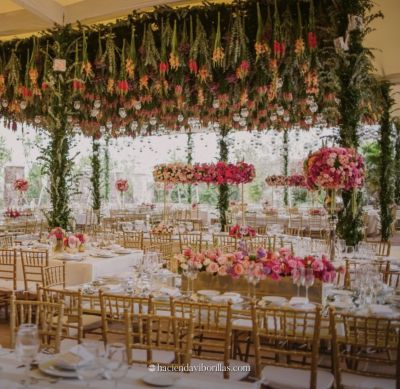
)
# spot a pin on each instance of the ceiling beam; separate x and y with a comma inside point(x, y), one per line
point(48, 10)
point(101, 9)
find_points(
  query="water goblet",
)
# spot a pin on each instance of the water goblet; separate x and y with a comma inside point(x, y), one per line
point(309, 279)
point(298, 278)
point(26, 348)
point(116, 365)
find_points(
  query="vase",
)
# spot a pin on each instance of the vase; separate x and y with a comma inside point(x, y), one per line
point(59, 246)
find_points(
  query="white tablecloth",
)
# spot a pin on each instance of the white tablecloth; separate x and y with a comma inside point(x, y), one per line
point(10, 377)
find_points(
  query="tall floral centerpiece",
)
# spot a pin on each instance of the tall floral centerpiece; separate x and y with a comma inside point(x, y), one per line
point(21, 186)
point(122, 186)
point(334, 169)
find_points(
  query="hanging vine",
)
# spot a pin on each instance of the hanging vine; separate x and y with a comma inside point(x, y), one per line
point(223, 190)
point(397, 163)
point(286, 165)
point(106, 169)
point(96, 174)
point(189, 160)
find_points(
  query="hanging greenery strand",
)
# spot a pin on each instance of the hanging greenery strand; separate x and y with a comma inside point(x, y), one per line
point(189, 161)
point(96, 174)
point(386, 182)
point(285, 164)
point(223, 190)
point(106, 169)
point(397, 163)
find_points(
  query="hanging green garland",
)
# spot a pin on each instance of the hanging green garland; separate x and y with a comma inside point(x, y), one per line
point(397, 163)
point(95, 178)
point(285, 164)
point(386, 182)
point(106, 169)
point(189, 160)
point(223, 190)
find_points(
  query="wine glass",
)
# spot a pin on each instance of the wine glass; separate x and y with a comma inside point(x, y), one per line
point(309, 279)
point(191, 275)
point(26, 348)
point(298, 278)
point(116, 365)
point(91, 370)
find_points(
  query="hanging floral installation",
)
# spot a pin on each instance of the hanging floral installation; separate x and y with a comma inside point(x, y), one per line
point(159, 71)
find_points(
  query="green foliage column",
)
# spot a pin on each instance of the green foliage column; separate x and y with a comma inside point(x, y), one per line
point(107, 169)
point(95, 178)
point(352, 67)
point(397, 164)
point(189, 160)
point(386, 190)
point(285, 164)
point(223, 190)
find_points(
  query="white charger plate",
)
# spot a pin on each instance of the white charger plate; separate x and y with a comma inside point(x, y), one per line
point(208, 292)
point(49, 367)
point(278, 300)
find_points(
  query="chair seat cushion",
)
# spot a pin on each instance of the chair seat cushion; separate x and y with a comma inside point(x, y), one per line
point(355, 381)
point(289, 378)
point(238, 369)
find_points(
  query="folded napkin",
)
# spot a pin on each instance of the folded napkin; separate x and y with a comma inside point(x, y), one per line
point(377, 309)
point(112, 288)
point(224, 299)
point(77, 356)
point(173, 292)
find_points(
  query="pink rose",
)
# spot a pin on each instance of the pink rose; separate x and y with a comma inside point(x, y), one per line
point(212, 268)
point(222, 271)
point(238, 269)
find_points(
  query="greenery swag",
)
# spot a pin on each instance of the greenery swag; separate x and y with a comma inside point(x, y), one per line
point(189, 161)
point(96, 174)
point(223, 190)
point(397, 163)
point(285, 165)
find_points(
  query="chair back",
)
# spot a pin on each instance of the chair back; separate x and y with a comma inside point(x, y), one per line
point(33, 261)
point(7, 241)
point(8, 266)
point(193, 240)
point(365, 345)
point(47, 316)
point(150, 333)
point(160, 238)
point(224, 240)
point(54, 276)
point(286, 337)
point(133, 239)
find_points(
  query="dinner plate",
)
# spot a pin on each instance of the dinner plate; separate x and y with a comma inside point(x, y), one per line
point(208, 292)
point(224, 299)
point(49, 367)
point(278, 300)
point(122, 251)
point(341, 292)
point(303, 306)
point(160, 379)
point(102, 255)
point(339, 305)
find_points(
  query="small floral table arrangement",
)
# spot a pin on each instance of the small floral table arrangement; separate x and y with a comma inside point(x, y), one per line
point(238, 231)
point(57, 236)
point(163, 229)
point(75, 242)
point(21, 186)
point(12, 213)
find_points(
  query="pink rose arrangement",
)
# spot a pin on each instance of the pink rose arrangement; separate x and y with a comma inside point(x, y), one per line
point(297, 180)
point(21, 185)
point(163, 229)
point(334, 168)
point(12, 213)
point(265, 264)
point(217, 174)
point(121, 185)
point(276, 180)
point(238, 231)
point(57, 233)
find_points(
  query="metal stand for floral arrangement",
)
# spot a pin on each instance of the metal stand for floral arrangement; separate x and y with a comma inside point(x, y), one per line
point(332, 206)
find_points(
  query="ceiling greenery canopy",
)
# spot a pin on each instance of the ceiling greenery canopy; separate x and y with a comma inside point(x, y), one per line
point(248, 65)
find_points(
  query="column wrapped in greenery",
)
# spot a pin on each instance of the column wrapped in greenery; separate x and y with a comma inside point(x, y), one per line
point(397, 164)
point(386, 182)
point(285, 164)
point(223, 190)
point(106, 169)
point(354, 74)
point(95, 178)
point(189, 160)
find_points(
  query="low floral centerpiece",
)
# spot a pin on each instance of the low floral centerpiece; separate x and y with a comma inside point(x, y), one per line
point(238, 231)
point(122, 186)
point(57, 236)
point(12, 213)
point(163, 229)
point(75, 242)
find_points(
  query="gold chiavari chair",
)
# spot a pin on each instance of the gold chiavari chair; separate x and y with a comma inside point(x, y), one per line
point(133, 239)
point(113, 307)
point(32, 263)
point(224, 240)
point(295, 226)
point(212, 336)
point(365, 351)
point(315, 227)
point(160, 238)
point(271, 219)
point(194, 240)
point(286, 244)
point(383, 249)
point(8, 277)
point(7, 241)
point(351, 267)
point(47, 316)
point(76, 323)
point(54, 276)
point(287, 342)
point(254, 243)
point(165, 340)
point(392, 279)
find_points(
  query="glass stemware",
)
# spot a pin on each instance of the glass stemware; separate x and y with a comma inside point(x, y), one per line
point(26, 348)
point(298, 278)
point(116, 366)
point(309, 279)
point(92, 370)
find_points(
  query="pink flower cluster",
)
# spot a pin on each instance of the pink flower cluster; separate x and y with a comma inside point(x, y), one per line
point(265, 264)
point(21, 185)
point(13, 213)
point(121, 185)
point(217, 174)
point(334, 168)
point(238, 231)
point(57, 233)
point(293, 180)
